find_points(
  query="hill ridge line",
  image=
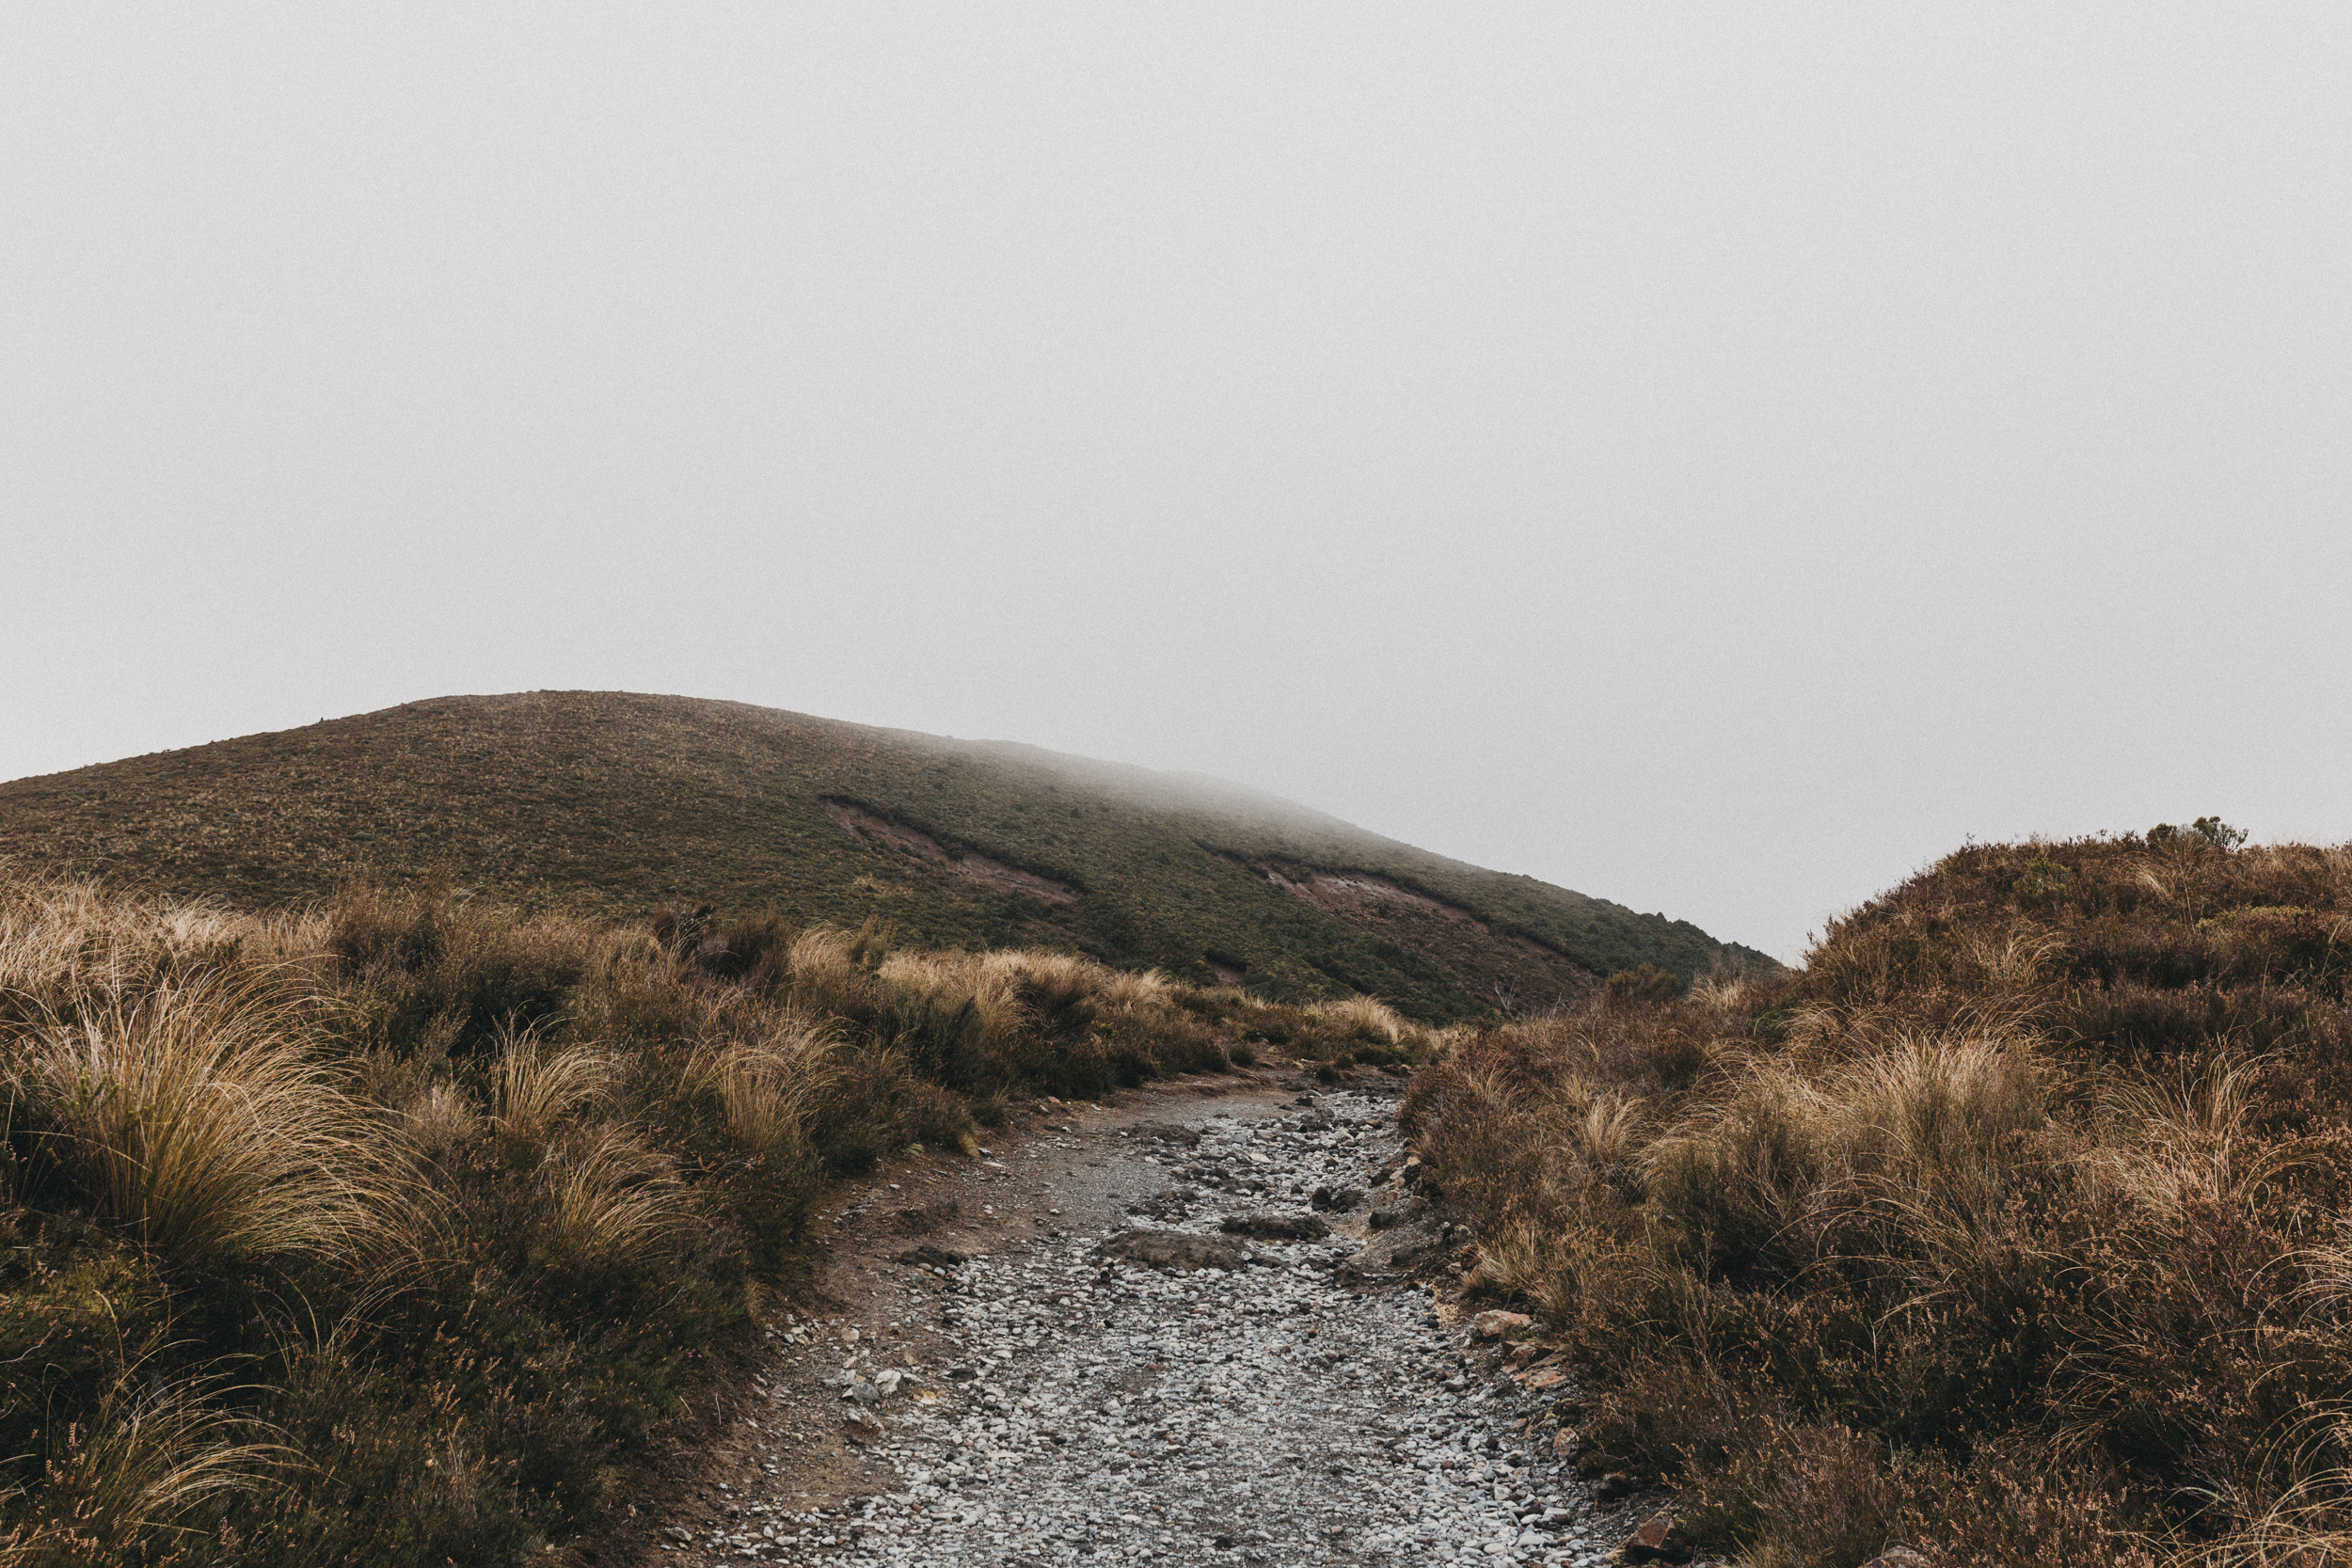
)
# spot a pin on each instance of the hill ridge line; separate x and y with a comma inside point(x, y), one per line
point(620, 803)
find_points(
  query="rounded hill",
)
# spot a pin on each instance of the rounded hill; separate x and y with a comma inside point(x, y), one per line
point(621, 803)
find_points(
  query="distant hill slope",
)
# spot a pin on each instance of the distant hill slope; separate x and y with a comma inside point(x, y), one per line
point(619, 803)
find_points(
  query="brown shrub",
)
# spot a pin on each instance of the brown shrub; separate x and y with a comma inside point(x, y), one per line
point(1992, 1228)
point(470, 1199)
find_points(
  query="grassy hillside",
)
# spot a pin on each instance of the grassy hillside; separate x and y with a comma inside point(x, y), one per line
point(2013, 1227)
point(612, 804)
point(395, 1231)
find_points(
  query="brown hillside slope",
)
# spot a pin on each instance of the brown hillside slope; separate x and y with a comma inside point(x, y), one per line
point(616, 803)
point(2014, 1226)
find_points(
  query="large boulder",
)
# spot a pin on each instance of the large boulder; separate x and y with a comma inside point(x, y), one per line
point(1658, 1539)
point(1500, 1324)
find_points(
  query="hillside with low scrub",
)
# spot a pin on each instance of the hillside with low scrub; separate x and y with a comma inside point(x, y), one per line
point(2015, 1227)
point(615, 805)
point(383, 1230)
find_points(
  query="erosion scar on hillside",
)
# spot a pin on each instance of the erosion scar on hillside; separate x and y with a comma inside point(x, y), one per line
point(1503, 969)
point(868, 827)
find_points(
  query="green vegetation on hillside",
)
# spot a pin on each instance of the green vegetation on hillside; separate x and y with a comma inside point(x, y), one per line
point(616, 804)
point(384, 1232)
point(2013, 1227)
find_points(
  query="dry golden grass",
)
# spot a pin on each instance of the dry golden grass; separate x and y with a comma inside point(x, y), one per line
point(770, 1085)
point(193, 1116)
point(64, 941)
point(525, 1168)
point(441, 1119)
point(536, 1089)
point(610, 1198)
point(2011, 1226)
point(2184, 1144)
point(1129, 990)
point(993, 989)
point(137, 1470)
point(1363, 1018)
point(825, 963)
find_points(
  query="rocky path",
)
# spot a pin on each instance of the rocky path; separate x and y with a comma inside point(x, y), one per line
point(1063, 1353)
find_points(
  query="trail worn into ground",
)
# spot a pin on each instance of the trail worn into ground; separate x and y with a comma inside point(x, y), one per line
point(1126, 1335)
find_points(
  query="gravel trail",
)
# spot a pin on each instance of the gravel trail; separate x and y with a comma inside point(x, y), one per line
point(1015, 1393)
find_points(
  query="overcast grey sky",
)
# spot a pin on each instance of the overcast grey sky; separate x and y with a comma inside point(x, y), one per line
point(1717, 458)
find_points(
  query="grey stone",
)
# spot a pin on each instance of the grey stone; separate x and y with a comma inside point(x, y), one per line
point(1410, 1250)
point(1276, 1227)
point(1178, 1249)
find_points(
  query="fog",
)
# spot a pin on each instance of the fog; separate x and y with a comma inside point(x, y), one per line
point(1716, 458)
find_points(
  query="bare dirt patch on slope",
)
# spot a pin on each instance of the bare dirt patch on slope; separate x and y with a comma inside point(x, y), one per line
point(872, 828)
point(1503, 969)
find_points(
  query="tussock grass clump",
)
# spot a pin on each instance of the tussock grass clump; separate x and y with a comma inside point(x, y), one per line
point(386, 1231)
point(2006, 1228)
point(1348, 1032)
point(535, 1090)
point(133, 1475)
point(766, 1085)
point(1361, 1017)
point(191, 1116)
point(995, 1022)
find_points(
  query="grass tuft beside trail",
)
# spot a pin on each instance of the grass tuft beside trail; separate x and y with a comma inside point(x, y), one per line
point(2016, 1226)
point(385, 1230)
